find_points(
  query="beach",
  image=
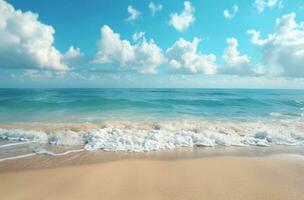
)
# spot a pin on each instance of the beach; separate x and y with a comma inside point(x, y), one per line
point(222, 177)
point(151, 100)
point(151, 144)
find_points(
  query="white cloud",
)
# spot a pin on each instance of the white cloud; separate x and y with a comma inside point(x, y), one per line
point(231, 14)
point(73, 53)
point(183, 20)
point(36, 74)
point(143, 57)
point(134, 14)
point(26, 42)
point(112, 49)
point(74, 58)
point(154, 8)
point(235, 63)
point(138, 35)
point(49, 74)
point(283, 51)
point(260, 5)
point(183, 56)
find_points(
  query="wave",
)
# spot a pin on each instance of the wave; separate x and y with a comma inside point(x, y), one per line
point(91, 105)
point(161, 135)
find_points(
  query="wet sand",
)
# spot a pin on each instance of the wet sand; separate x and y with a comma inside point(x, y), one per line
point(222, 177)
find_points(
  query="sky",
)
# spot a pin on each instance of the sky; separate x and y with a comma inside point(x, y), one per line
point(139, 43)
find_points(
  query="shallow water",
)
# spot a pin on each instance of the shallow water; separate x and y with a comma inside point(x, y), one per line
point(94, 105)
point(139, 120)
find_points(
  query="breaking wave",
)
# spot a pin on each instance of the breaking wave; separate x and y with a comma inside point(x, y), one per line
point(149, 136)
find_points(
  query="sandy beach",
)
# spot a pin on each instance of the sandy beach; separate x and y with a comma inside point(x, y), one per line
point(151, 100)
point(272, 177)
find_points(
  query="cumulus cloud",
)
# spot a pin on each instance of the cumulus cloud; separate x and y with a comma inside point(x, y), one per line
point(134, 14)
point(235, 63)
point(183, 56)
point(260, 5)
point(154, 8)
point(74, 58)
point(183, 20)
point(26, 42)
point(112, 49)
point(73, 53)
point(283, 51)
point(143, 57)
point(231, 14)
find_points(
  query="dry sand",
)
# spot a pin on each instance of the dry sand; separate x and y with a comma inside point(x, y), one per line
point(245, 178)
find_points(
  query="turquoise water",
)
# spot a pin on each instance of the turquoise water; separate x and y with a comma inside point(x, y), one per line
point(93, 105)
point(147, 119)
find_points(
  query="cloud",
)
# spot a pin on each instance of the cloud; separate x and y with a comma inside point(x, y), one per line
point(183, 20)
point(283, 51)
point(138, 35)
point(260, 5)
point(74, 58)
point(134, 14)
point(154, 8)
point(73, 53)
point(231, 14)
point(26, 42)
point(237, 64)
point(112, 49)
point(183, 56)
point(36, 74)
point(143, 57)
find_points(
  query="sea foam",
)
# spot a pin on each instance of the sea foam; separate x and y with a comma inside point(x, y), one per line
point(139, 137)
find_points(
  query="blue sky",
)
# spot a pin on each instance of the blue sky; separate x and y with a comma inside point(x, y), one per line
point(183, 44)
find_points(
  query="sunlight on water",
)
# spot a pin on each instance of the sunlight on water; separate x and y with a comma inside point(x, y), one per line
point(150, 119)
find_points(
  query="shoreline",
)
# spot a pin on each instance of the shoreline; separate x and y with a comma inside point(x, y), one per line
point(100, 156)
point(223, 177)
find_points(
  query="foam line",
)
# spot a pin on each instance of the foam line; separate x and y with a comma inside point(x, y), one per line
point(42, 151)
point(13, 144)
point(18, 157)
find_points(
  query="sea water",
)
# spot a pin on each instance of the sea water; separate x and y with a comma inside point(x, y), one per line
point(139, 120)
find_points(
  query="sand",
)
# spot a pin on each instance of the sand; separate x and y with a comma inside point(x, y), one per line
point(272, 177)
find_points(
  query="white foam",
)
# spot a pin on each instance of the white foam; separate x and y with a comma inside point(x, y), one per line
point(138, 137)
point(18, 157)
point(23, 135)
point(275, 114)
point(13, 144)
point(43, 151)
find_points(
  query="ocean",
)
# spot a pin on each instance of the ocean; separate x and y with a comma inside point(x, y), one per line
point(138, 120)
